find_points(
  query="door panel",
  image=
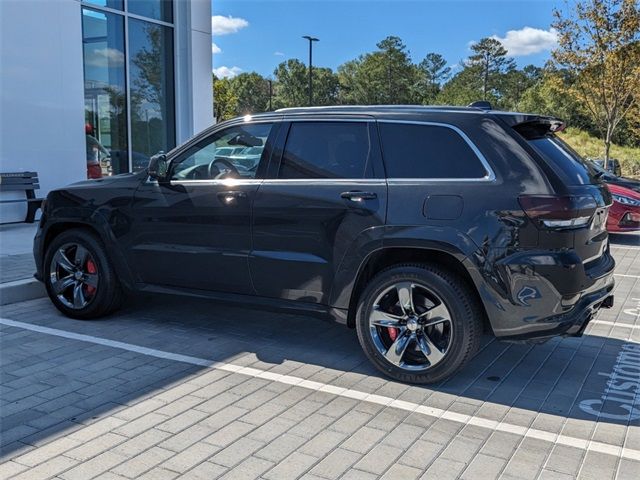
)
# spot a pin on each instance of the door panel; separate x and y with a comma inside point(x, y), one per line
point(301, 231)
point(194, 235)
point(195, 232)
point(305, 220)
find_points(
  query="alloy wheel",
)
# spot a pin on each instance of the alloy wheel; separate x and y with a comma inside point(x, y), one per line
point(411, 326)
point(74, 276)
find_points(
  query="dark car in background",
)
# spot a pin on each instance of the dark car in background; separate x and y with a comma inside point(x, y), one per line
point(420, 227)
point(612, 165)
point(612, 179)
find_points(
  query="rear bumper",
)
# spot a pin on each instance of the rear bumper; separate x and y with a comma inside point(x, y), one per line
point(536, 295)
point(573, 323)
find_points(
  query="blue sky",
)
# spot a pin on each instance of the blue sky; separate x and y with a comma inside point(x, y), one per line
point(256, 35)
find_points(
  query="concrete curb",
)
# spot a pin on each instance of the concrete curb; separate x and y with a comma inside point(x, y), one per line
point(21, 290)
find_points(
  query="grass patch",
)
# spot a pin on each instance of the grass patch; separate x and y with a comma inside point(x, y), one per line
point(592, 147)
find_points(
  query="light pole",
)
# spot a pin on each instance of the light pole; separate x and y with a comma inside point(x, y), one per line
point(311, 40)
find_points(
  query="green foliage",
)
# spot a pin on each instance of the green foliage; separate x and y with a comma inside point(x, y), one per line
point(386, 76)
point(590, 146)
point(599, 45)
point(252, 92)
point(489, 64)
point(431, 73)
point(225, 102)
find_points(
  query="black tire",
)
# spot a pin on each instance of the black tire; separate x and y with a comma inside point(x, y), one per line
point(106, 297)
point(465, 323)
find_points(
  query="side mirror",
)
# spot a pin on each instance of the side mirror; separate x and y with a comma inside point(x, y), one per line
point(159, 167)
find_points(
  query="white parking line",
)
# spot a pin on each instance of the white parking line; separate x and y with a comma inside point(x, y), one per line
point(615, 324)
point(624, 247)
point(583, 444)
point(626, 276)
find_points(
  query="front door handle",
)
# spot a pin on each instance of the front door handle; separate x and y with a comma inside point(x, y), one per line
point(358, 196)
point(231, 196)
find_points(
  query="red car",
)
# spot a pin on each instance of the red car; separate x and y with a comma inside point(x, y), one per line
point(624, 214)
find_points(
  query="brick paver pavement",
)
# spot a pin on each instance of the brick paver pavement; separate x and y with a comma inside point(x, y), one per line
point(176, 387)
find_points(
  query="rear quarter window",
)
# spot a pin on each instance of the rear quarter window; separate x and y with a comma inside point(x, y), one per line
point(566, 162)
point(428, 152)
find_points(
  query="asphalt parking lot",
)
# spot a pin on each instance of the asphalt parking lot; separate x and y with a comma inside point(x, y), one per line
point(175, 387)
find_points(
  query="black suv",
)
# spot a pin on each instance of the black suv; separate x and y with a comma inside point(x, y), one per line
point(418, 226)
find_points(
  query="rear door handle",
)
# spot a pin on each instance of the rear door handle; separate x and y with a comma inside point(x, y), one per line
point(231, 196)
point(358, 196)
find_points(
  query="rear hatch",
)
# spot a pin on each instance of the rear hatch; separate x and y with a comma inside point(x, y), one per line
point(575, 215)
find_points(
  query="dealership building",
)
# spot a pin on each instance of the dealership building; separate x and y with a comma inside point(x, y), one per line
point(91, 88)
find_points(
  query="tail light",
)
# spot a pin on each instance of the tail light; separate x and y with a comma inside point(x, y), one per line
point(559, 212)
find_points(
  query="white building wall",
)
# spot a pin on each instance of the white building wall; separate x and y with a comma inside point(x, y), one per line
point(194, 86)
point(41, 95)
point(42, 89)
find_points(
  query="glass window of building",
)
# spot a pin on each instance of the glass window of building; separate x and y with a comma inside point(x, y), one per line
point(151, 90)
point(104, 93)
point(156, 9)
point(115, 4)
point(129, 83)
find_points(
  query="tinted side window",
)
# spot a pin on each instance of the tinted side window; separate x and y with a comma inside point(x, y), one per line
point(427, 151)
point(326, 150)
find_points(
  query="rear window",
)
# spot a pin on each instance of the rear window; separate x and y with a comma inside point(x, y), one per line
point(564, 160)
point(427, 152)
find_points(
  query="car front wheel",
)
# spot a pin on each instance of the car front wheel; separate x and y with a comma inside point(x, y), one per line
point(418, 323)
point(79, 277)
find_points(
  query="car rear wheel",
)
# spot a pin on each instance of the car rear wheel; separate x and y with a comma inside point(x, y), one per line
point(418, 323)
point(79, 277)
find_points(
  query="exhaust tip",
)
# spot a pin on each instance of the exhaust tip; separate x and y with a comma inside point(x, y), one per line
point(607, 302)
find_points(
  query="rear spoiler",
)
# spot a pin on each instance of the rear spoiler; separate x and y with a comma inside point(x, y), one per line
point(532, 127)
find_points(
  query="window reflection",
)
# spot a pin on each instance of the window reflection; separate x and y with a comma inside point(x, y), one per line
point(115, 4)
point(157, 9)
point(104, 93)
point(152, 91)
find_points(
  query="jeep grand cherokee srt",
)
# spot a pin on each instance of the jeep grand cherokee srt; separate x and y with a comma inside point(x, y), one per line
point(417, 226)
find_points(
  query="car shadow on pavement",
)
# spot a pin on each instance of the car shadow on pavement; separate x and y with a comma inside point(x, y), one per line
point(563, 378)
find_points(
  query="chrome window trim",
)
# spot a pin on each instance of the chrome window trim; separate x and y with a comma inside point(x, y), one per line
point(258, 181)
point(489, 177)
point(341, 181)
point(230, 182)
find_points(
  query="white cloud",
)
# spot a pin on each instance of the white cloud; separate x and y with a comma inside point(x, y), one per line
point(215, 48)
point(278, 54)
point(528, 40)
point(221, 25)
point(226, 72)
point(106, 57)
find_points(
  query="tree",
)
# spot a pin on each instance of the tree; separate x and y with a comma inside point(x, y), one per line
point(225, 102)
point(252, 93)
point(292, 85)
point(462, 89)
point(386, 76)
point(291, 89)
point(325, 86)
point(432, 73)
point(599, 44)
point(490, 62)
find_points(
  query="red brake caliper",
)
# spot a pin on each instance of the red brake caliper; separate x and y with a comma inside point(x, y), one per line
point(393, 333)
point(91, 268)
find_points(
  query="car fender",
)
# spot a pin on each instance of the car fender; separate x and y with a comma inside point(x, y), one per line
point(443, 239)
